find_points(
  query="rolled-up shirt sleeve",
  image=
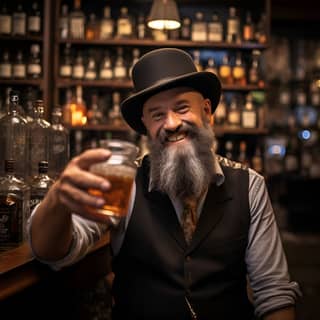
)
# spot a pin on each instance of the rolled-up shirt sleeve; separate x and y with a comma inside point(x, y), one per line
point(266, 261)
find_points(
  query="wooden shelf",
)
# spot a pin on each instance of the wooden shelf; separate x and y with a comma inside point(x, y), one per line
point(167, 43)
point(223, 130)
point(21, 38)
point(101, 127)
point(18, 82)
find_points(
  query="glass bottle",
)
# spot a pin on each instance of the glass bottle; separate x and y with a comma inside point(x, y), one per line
point(67, 107)
point(65, 69)
point(233, 26)
point(94, 115)
point(215, 29)
point(135, 58)
point(115, 116)
point(39, 138)
point(92, 28)
point(225, 71)
point(13, 137)
point(79, 109)
point(261, 30)
point(141, 28)
point(78, 67)
point(248, 28)
point(107, 24)
point(106, 71)
point(5, 66)
point(229, 149)
point(257, 160)
point(221, 112)
point(211, 66)
point(34, 68)
point(64, 22)
point(120, 71)
point(124, 24)
point(196, 60)
point(30, 98)
point(77, 21)
point(91, 69)
point(243, 157)
point(239, 71)
point(5, 21)
point(59, 152)
point(233, 116)
point(34, 20)
point(249, 116)
point(39, 185)
point(19, 68)
point(14, 207)
point(199, 30)
point(185, 33)
point(19, 21)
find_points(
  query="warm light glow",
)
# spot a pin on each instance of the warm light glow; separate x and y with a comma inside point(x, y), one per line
point(164, 24)
point(318, 83)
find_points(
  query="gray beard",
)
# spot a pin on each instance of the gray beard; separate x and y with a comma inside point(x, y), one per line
point(183, 170)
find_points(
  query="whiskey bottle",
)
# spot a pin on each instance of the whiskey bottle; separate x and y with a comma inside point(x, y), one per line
point(233, 116)
point(215, 29)
point(107, 24)
point(248, 28)
point(92, 28)
point(94, 115)
point(14, 208)
point(19, 68)
point(115, 116)
point(91, 69)
point(233, 26)
point(19, 21)
point(39, 185)
point(59, 152)
point(34, 20)
point(78, 67)
point(225, 71)
point(39, 138)
point(199, 30)
point(77, 21)
point(239, 71)
point(106, 72)
point(5, 66)
point(185, 33)
point(120, 71)
point(34, 68)
point(141, 28)
point(65, 69)
point(79, 111)
point(13, 137)
point(249, 118)
point(124, 24)
point(5, 21)
point(64, 22)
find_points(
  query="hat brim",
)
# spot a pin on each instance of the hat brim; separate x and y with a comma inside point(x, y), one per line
point(204, 82)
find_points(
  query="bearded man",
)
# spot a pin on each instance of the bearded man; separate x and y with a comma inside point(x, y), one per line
point(199, 228)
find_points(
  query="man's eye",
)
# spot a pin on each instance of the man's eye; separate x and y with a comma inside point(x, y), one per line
point(183, 109)
point(157, 116)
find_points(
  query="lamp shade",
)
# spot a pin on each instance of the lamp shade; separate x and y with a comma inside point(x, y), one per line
point(164, 15)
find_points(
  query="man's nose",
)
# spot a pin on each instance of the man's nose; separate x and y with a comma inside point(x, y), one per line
point(172, 121)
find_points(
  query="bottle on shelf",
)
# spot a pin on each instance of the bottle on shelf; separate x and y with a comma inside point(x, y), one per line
point(233, 27)
point(106, 72)
point(77, 21)
point(67, 108)
point(59, 152)
point(14, 204)
point(5, 21)
point(229, 150)
point(79, 110)
point(261, 30)
point(94, 114)
point(19, 67)
point(135, 58)
point(39, 138)
point(225, 71)
point(78, 67)
point(199, 31)
point(211, 66)
point(65, 69)
point(34, 20)
point(249, 116)
point(106, 24)
point(196, 60)
point(243, 157)
point(220, 114)
point(120, 70)
point(185, 32)
point(115, 116)
point(39, 185)
point(257, 160)
point(124, 24)
point(13, 137)
point(5, 65)
point(234, 115)
point(34, 68)
point(64, 22)
point(90, 72)
point(92, 28)
point(30, 98)
point(141, 27)
point(254, 73)
point(19, 21)
point(239, 71)
point(248, 28)
point(215, 29)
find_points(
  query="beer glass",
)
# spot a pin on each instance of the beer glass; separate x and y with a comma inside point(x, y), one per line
point(120, 170)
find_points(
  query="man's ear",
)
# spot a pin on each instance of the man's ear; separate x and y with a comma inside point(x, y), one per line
point(207, 107)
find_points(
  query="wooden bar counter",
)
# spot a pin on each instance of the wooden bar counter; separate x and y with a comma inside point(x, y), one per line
point(34, 290)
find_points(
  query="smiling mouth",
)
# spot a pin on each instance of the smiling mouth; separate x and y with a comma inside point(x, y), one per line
point(176, 137)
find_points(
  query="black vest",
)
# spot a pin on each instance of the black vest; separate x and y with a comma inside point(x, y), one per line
point(155, 269)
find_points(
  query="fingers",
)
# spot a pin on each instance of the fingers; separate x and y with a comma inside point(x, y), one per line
point(89, 157)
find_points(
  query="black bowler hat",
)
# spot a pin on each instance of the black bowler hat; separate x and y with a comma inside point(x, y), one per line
point(163, 69)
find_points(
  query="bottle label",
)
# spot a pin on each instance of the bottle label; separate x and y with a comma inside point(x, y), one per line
point(65, 71)
point(233, 27)
point(78, 72)
point(249, 119)
point(5, 24)
point(77, 28)
point(11, 220)
point(215, 32)
point(19, 71)
point(34, 24)
point(199, 33)
point(34, 69)
point(124, 28)
point(5, 70)
point(106, 30)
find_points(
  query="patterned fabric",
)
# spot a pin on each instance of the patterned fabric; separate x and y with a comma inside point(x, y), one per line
point(189, 218)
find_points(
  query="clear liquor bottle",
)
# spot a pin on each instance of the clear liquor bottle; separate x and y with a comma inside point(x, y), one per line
point(34, 68)
point(5, 21)
point(19, 68)
point(39, 185)
point(19, 21)
point(59, 152)
point(14, 208)
point(34, 20)
point(234, 115)
point(196, 60)
point(107, 24)
point(13, 137)
point(39, 138)
point(77, 21)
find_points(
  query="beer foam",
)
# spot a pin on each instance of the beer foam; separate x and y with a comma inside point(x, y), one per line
point(106, 169)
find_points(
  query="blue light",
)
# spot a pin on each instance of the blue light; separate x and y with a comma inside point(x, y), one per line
point(306, 134)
